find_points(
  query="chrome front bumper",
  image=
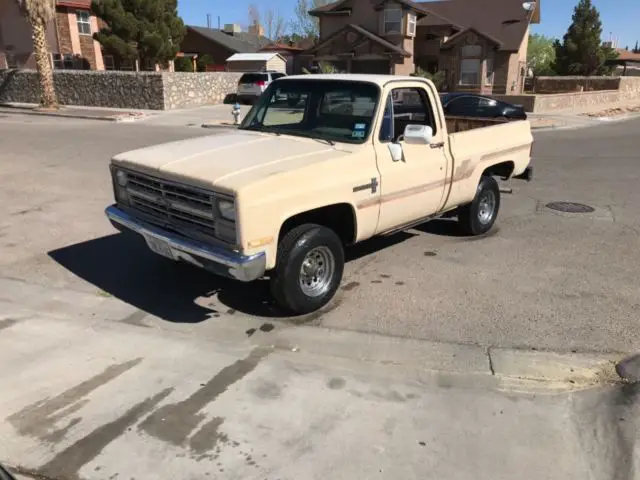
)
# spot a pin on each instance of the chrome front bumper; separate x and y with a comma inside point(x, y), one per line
point(226, 262)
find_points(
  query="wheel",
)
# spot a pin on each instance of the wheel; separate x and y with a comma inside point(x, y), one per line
point(479, 216)
point(309, 267)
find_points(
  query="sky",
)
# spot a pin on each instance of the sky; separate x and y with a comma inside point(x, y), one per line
point(619, 17)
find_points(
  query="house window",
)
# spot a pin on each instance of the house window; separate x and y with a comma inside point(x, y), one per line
point(470, 65)
point(83, 19)
point(490, 72)
point(56, 59)
point(12, 62)
point(411, 25)
point(109, 63)
point(392, 20)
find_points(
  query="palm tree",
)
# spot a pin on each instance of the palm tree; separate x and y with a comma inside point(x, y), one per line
point(40, 13)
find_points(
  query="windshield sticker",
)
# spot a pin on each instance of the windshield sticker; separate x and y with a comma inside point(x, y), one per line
point(359, 126)
point(357, 134)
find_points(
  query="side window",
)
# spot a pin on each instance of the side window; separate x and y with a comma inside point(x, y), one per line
point(275, 76)
point(463, 106)
point(406, 106)
point(386, 130)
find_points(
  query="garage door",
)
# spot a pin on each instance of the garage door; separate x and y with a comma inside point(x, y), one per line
point(370, 66)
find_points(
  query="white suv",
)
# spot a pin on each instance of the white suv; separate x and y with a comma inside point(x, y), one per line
point(251, 85)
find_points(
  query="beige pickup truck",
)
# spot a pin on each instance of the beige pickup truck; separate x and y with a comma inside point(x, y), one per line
point(321, 162)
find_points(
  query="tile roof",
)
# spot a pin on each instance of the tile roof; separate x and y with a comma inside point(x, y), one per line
point(503, 20)
point(624, 54)
point(241, 42)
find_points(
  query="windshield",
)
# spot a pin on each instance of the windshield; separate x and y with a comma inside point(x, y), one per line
point(331, 110)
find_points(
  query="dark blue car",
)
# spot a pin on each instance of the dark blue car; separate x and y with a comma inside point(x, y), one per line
point(462, 104)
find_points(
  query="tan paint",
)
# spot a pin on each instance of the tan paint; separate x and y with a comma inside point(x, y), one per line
point(276, 177)
point(96, 45)
point(73, 30)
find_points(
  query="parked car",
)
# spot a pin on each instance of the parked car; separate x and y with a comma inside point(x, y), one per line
point(469, 105)
point(286, 193)
point(252, 85)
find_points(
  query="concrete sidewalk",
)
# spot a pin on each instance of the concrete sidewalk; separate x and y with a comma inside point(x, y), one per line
point(80, 113)
point(95, 390)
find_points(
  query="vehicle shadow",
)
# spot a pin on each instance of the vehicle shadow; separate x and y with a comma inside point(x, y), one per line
point(122, 266)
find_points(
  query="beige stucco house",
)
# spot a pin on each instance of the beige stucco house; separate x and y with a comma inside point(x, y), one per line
point(480, 45)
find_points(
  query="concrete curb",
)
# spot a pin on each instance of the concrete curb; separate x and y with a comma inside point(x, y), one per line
point(122, 118)
point(219, 125)
point(575, 369)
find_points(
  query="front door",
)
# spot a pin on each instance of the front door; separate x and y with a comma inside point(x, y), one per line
point(412, 187)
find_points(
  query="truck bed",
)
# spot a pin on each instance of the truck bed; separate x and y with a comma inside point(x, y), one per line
point(460, 124)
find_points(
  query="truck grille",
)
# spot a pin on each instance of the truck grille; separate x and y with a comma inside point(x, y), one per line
point(179, 205)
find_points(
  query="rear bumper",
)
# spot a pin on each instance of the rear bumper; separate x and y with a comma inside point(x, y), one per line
point(526, 175)
point(221, 261)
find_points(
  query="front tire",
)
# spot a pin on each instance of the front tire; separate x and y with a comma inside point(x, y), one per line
point(478, 217)
point(309, 268)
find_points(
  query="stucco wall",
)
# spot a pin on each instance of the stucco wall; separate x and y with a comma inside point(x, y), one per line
point(575, 84)
point(629, 91)
point(143, 90)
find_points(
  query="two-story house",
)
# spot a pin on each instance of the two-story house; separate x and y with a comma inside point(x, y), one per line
point(69, 35)
point(480, 45)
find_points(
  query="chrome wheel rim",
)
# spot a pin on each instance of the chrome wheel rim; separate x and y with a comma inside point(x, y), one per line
point(316, 272)
point(486, 207)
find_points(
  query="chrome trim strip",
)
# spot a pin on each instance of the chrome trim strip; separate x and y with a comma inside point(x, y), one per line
point(245, 268)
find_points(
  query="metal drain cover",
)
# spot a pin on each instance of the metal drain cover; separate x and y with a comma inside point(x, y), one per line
point(570, 207)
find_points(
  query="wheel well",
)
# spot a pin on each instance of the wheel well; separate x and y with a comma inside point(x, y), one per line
point(503, 170)
point(339, 217)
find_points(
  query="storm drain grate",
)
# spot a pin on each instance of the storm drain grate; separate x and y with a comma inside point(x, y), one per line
point(570, 207)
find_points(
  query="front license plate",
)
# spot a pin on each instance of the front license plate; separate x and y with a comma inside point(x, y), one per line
point(159, 247)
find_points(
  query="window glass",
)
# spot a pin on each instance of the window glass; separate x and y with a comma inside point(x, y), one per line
point(411, 26)
point(406, 106)
point(392, 20)
point(489, 78)
point(83, 19)
point(469, 71)
point(471, 51)
point(462, 106)
point(254, 78)
point(340, 111)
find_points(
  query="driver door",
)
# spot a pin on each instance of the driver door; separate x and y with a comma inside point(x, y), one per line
point(413, 187)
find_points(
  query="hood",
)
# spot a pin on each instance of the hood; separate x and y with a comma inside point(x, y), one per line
point(227, 160)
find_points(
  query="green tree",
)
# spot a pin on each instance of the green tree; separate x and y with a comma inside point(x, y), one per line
point(203, 61)
point(183, 64)
point(304, 24)
point(148, 30)
point(39, 13)
point(541, 54)
point(582, 51)
point(636, 49)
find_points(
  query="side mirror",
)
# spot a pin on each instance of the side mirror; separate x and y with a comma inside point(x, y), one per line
point(420, 134)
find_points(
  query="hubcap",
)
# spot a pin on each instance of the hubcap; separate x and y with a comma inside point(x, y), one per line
point(486, 207)
point(316, 272)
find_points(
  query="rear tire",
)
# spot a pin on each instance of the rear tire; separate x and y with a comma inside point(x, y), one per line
point(309, 268)
point(478, 217)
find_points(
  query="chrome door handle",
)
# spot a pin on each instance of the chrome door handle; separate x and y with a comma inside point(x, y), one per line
point(437, 145)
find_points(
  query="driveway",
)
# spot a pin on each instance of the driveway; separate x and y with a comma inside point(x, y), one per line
point(541, 280)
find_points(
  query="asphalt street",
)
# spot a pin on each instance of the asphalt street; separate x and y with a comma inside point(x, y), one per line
point(539, 280)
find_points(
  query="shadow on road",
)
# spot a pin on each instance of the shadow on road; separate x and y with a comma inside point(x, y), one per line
point(123, 266)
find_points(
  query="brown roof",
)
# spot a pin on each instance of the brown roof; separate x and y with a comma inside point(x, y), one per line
point(504, 21)
point(624, 54)
point(366, 33)
point(344, 5)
